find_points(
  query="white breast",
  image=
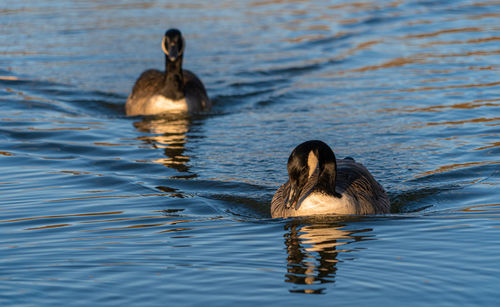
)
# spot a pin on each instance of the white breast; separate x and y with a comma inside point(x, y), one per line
point(160, 104)
point(319, 203)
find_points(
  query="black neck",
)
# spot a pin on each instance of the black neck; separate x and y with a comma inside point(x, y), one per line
point(174, 79)
point(328, 178)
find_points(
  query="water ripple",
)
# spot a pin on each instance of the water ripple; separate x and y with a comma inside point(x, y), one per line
point(99, 208)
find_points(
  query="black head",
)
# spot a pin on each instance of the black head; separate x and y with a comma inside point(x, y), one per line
point(173, 44)
point(306, 159)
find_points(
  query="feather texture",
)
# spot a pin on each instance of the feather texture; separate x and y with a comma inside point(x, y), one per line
point(355, 192)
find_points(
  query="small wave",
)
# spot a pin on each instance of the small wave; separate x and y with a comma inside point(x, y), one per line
point(52, 96)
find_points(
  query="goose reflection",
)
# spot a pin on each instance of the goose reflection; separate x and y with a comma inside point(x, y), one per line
point(313, 250)
point(169, 134)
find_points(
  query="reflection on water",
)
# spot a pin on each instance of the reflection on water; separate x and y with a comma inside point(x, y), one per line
point(168, 134)
point(313, 251)
point(492, 211)
point(161, 218)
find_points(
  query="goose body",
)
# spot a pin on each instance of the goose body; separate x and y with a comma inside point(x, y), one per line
point(320, 184)
point(174, 90)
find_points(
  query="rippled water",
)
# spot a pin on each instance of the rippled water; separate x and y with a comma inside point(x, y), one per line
point(98, 208)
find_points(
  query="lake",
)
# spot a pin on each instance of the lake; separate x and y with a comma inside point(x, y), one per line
point(101, 209)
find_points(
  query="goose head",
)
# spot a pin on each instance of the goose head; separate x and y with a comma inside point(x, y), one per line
point(173, 44)
point(311, 165)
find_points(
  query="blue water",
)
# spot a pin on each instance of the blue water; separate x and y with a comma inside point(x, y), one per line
point(97, 208)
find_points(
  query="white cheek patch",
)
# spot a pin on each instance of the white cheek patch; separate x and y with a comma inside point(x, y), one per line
point(312, 163)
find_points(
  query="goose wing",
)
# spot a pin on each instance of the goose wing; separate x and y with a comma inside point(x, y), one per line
point(195, 91)
point(356, 181)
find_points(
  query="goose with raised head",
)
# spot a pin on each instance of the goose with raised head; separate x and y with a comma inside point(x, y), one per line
point(174, 90)
point(320, 184)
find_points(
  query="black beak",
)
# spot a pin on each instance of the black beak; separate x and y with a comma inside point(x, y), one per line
point(172, 52)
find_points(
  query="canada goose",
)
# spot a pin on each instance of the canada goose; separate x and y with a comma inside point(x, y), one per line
point(320, 184)
point(174, 90)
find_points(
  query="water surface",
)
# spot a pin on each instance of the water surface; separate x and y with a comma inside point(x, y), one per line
point(98, 208)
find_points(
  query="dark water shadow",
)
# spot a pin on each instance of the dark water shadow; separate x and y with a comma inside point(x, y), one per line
point(246, 203)
point(248, 93)
point(412, 201)
point(238, 101)
point(448, 187)
point(51, 96)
